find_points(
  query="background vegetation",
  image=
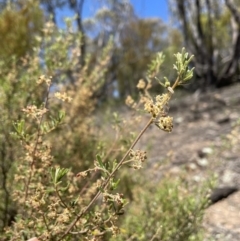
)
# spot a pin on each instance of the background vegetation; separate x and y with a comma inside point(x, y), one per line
point(80, 71)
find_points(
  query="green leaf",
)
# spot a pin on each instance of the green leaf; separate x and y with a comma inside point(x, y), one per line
point(63, 189)
point(19, 127)
point(99, 160)
point(114, 164)
point(61, 115)
point(73, 203)
point(58, 174)
point(114, 184)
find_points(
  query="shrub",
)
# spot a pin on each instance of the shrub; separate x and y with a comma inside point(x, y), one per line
point(169, 210)
point(20, 96)
point(53, 196)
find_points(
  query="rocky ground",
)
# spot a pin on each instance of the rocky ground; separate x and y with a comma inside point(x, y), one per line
point(201, 143)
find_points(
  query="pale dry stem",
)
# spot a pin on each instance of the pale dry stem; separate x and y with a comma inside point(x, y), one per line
point(107, 181)
point(70, 227)
point(36, 144)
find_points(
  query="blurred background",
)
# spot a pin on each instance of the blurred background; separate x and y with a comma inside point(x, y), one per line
point(97, 51)
point(208, 29)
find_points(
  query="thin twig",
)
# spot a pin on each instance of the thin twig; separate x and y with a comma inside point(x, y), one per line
point(104, 186)
point(106, 182)
point(36, 144)
point(60, 197)
point(93, 175)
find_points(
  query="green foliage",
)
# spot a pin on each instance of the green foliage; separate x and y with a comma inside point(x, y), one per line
point(181, 66)
point(58, 174)
point(169, 210)
point(139, 43)
point(18, 27)
point(23, 104)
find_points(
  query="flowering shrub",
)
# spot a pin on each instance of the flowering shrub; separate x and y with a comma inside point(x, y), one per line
point(64, 184)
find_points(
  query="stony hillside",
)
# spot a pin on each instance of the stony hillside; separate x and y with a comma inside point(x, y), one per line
point(201, 144)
